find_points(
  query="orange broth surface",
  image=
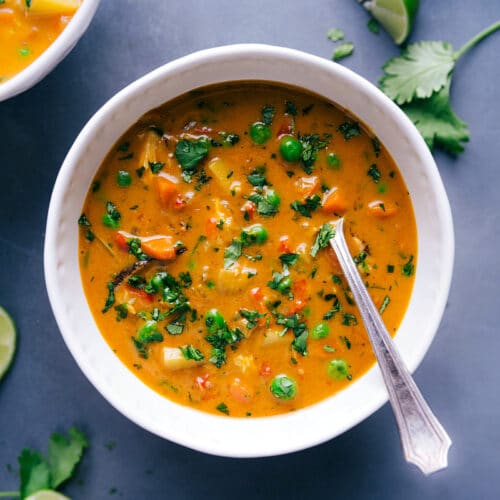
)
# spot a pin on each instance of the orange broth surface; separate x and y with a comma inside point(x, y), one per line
point(26, 32)
point(188, 214)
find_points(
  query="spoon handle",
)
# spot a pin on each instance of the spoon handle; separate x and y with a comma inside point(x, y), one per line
point(424, 440)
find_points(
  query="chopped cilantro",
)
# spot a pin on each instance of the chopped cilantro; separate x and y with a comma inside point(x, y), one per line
point(373, 25)
point(110, 299)
point(189, 153)
point(335, 34)
point(268, 113)
point(349, 319)
point(222, 407)
point(374, 173)
point(310, 204)
point(325, 234)
point(156, 166)
point(384, 304)
point(251, 317)
point(83, 221)
point(112, 217)
point(408, 269)
point(290, 108)
point(232, 253)
point(289, 259)
point(311, 145)
point(349, 130)
point(343, 50)
point(257, 178)
point(190, 352)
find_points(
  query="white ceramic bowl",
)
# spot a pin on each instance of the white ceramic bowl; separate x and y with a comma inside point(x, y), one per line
point(256, 436)
point(54, 54)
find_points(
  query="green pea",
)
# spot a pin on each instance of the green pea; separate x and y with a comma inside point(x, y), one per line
point(285, 284)
point(260, 132)
point(290, 148)
point(283, 387)
point(146, 332)
point(333, 161)
point(214, 320)
point(123, 178)
point(338, 369)
point(273, 198)
point(320, 331)
point(157, 281)
point(254, 234)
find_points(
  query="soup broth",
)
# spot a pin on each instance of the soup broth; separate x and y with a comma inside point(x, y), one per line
point(204, 248)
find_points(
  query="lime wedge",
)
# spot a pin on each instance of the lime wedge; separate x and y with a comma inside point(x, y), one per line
point(7, 341)
point(47, 495)
point(396, 16)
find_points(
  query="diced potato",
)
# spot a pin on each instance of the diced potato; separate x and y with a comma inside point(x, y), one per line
point(219, 169)
point(47, 7)
point(173, 359)
point(235, 279)
point(273, 337)
point(307, 186)
point(150, 149)
point(246, 363)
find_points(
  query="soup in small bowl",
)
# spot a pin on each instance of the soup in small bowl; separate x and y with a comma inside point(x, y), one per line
point(35, 35)
point(186, 252)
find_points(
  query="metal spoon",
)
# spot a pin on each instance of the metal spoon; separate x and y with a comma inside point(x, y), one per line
point(424, 440)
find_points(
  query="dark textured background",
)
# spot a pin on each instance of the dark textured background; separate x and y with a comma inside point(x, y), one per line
point(45, 391)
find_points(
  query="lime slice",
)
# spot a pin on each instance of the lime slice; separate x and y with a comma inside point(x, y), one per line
point(396, 16)
point(7, 341)
point(47, 495)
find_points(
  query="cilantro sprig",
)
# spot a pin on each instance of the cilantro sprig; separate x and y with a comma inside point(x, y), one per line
point(419, 80)
point(38, 472)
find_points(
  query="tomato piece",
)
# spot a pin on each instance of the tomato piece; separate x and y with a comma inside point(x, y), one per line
point(265, 369)
point(121, 239)
point(239, 391)
point(284, 245)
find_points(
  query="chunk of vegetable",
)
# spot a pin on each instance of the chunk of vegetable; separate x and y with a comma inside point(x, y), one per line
point(220, 170)
point(50, 7)
point(168, 188)
point(173, 359)
point(334, 202)
point(158, 247)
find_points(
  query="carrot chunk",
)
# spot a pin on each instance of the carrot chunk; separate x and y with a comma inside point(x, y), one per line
point(334, 202)
point(167, 189)
point(158, 247)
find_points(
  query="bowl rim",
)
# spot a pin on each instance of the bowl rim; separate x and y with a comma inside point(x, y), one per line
point(230, 52)
point(53, 55)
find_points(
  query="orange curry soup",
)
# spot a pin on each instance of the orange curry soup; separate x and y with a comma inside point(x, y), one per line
point(204, 248)
point(27, 28)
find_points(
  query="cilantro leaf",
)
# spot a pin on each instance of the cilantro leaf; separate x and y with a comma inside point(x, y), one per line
point(190, 352)
point(335, 34)
point(34, 472)
point(343, 50)
point(189, 154)
point(268, 113)
point(64, 454)
point(39, 473)
point(310, 204)
point(421, 69)
point(289, 259)
point(232, 253)
point(311, 145)
point(325, 234)
point(349, 130)
point(257, 178)
point(437, 122)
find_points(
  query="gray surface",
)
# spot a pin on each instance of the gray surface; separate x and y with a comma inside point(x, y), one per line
point(46, 391)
